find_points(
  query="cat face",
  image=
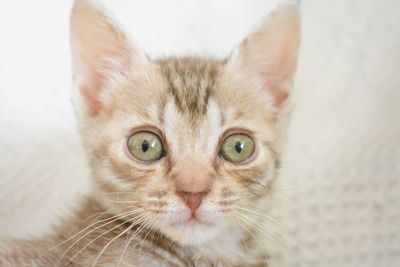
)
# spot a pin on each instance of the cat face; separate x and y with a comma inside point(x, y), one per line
point(181, 145)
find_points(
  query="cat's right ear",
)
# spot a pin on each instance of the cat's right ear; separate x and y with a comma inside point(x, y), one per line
point(101, 53)
point(269, 55)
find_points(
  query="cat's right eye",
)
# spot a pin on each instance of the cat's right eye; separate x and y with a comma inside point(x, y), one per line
point(145, 146)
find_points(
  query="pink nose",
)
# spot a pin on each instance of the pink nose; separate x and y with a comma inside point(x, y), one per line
point(192, 181)
point(192, 200)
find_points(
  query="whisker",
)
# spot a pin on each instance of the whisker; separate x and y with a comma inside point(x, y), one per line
point(241, 238)
point(260, 229)
point(88, 244)
point(269, 217)
point(134, 234)
point(109, 243)
point(276, 221)
point(112, 240)
point(122, 192)
point(128, 242)
point(255, 237)
point(151, 224)
point(126, 201)
point(130, 213)
point(93, 223)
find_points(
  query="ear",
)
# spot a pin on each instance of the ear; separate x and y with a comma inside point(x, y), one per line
point(100, 53)
point(269, 54)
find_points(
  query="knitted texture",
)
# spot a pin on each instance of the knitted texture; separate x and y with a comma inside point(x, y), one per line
point(340, 186)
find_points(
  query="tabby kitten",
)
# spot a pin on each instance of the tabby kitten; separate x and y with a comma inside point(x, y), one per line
point(183, 151)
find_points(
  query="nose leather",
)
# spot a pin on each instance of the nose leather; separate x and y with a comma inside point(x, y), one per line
point(193, 200)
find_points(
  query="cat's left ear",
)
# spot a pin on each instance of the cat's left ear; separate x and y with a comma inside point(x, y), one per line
point(101, 53)
point(269, 54)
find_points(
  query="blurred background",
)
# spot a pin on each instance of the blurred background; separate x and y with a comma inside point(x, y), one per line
point(339, 190)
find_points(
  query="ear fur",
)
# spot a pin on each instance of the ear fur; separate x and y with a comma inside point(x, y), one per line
point(100, 53)
point(269, 54)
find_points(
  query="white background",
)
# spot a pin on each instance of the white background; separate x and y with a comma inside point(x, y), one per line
point(340, 183)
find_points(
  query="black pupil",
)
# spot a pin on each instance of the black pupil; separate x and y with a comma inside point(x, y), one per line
point(239, 146)
point(145, 146)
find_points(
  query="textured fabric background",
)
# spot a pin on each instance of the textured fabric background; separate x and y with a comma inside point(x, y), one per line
point(339, 190)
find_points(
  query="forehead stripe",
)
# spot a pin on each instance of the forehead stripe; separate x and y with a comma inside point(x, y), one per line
point(191, 83)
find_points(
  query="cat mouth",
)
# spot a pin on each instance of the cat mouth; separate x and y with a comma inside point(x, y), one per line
point(194, 224)
point(193, 221)
point(196, 220)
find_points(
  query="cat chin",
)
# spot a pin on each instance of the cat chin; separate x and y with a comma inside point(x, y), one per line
point(192, 233)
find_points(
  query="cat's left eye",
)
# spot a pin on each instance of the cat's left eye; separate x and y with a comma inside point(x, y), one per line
point(237, 148)
point(145, 146)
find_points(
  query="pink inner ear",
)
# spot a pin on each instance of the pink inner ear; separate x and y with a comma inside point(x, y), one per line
point(270, 53)
point(279, 97)
point(92, 99)
point(278, 73)
point(90, 82)
point(94, 73)
point(272, 58)
point(99, 51)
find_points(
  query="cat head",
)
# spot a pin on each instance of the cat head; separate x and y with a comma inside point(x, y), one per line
point(181, 144)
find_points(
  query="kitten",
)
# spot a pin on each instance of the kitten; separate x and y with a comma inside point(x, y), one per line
point(183, 151)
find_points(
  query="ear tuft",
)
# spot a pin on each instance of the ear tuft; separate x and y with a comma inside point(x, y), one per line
point(269, 54)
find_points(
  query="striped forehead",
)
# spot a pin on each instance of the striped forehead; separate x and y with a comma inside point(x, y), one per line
point(191, 117)
point(190, 82)
point(183, 139)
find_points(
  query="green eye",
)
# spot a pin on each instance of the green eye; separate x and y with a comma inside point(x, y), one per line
point(145, 146)
point(237, 147)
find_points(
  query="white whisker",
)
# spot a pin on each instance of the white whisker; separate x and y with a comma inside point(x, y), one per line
point(262, 230)
point(134, 234)
point(148, 231)
point(255, 237)
point(112, 240)
point(93, 223)
point(130, 213)
point(276, 221)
